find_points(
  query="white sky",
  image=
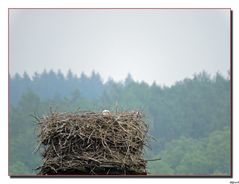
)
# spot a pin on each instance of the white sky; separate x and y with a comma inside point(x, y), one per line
point(159, 45)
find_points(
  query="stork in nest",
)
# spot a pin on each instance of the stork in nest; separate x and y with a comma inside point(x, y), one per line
point(106, 113)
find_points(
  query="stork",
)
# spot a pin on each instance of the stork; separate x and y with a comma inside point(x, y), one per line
point(106, 113)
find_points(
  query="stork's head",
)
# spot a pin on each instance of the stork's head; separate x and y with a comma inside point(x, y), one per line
point(106, 113)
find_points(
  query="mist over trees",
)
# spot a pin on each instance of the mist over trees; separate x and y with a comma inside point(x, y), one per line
point(189, 121)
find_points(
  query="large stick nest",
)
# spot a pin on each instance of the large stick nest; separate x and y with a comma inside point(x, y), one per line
point(91, 143)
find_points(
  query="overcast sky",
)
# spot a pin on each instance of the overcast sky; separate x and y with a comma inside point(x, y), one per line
point(159, 45)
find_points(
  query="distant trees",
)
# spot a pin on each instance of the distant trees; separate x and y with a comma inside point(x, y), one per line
point(190, 120)
point(210, 155)
point(218, 151)
point(56, 84)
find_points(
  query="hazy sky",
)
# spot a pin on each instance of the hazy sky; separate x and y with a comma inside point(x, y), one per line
point(159, 45)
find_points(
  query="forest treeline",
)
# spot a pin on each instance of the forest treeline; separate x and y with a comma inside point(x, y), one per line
point(189, 121)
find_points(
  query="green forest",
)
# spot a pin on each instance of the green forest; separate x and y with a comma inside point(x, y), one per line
point(189, 122)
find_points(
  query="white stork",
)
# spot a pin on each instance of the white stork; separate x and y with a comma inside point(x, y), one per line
point(106, 113)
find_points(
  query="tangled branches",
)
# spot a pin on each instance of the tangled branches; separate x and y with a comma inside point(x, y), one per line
point(92, 143)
